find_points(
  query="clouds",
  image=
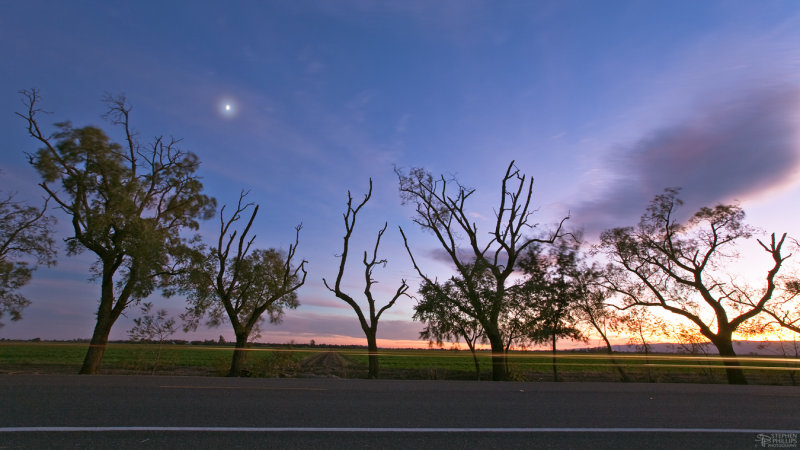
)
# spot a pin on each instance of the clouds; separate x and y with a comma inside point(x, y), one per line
point(727, 148)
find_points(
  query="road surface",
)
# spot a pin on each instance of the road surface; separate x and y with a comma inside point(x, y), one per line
point(59, 411)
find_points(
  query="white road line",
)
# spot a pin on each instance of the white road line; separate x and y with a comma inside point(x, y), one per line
point(393, 430)
point(260, 388)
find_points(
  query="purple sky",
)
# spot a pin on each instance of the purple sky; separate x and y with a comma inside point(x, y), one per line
point(604, 103)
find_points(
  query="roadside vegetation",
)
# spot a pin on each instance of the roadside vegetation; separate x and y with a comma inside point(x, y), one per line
point(410, 364)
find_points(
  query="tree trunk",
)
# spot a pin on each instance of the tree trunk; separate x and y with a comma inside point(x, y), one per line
point(239, 356)
point(646, 349)
point(732, 367)
point(106, 316)
point(108, 312)
point(499, 372)
point(158, 356)
point(372, 348)
point(97, 346)
point(792, 373)
point(610, 350)
point(555, 366)
point(471, 346)
point(623, 376)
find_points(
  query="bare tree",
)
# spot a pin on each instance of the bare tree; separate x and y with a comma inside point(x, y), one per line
point(689, 341)
point(128, 204)
point(25, 238)
point(641, 326)
point(680, 268)
point(243, 285)
point(369, 324)
point(792, 352)
point(443, 212)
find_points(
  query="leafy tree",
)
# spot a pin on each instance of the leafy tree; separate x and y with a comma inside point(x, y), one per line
point(591, 308)
point(370, 327)
point(564, 270)
point(128, 204)
point(240, 287)
point(519, 318)
point(152, 328)
point(551, 291)
point(25, 235)
point(444, 213)
point(679, 268)
point(448, 315)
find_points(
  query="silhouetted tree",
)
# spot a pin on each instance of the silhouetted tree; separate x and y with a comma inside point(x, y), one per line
point(240, 286)
point(678, 267)
point(25, 238)
point(368, 324)
point(443, 212)
point(128, 204)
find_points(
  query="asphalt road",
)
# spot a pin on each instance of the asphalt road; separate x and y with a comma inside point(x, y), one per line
point(57, 411)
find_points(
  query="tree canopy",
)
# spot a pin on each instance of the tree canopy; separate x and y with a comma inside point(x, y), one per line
point(25, 241)
point(450, 314)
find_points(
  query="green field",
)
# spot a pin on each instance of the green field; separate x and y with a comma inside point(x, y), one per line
point(124, 358)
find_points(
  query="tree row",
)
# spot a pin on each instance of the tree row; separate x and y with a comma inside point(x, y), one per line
point(132, 205)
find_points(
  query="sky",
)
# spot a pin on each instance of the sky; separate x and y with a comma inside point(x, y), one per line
point(604, 104)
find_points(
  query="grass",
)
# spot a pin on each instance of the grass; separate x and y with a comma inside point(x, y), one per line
point(50, 357)
point(135, 358)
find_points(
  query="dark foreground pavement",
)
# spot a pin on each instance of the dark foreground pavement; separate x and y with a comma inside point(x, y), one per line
point(38, 411)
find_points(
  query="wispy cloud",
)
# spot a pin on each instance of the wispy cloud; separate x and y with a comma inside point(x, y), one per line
point(728, 149)
point(476, 215)
point(323, 302)
point(311, 62)
point(456, 21)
